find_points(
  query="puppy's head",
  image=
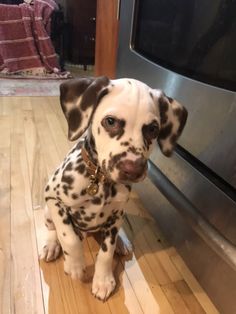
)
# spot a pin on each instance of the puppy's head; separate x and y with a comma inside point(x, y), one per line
point(126, 118)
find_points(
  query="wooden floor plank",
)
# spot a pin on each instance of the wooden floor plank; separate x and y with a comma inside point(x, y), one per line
point(31, 141)
point(149, 276)
point(6, 300)
point(53, 295)
point(5, 229)
point(1, 105)
point(36, 164)
point(56, 109)
point(175, 299)
point(193, 284)
point(5, 128)
point(127, 293)
point(156, 247)
point(188, 297)
point(7, 104)
point(58, 135)
point(48, 147)
point(138, 224)
point(25, 277)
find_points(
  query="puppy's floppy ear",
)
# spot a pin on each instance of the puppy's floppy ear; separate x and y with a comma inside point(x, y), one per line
point(173, 117)
point(79, 99)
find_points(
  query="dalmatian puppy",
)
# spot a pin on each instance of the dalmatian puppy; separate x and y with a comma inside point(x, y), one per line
point(116, 123)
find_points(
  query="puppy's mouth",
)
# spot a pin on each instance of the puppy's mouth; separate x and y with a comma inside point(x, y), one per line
point(132, 171)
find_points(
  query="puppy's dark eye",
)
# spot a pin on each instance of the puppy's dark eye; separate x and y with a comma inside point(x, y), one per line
point(113, 126)
point(110, 123)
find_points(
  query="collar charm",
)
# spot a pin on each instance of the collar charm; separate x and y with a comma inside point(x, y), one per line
point(96, 174)
point(93, 186)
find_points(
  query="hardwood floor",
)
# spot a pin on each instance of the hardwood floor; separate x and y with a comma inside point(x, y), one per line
point(155, 279)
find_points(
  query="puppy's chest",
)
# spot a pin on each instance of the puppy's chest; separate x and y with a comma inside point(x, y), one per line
point(102, 210)
point(93, 218)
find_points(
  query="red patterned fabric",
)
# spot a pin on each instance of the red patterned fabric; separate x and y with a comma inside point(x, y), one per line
point(25, 44)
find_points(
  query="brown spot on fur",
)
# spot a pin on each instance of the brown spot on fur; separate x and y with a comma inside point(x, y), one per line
point(80, 168)
point(103, 93)
point(67, 179)
point(114, 232)
point(68, 167)
point(106, 189)
point(133, 150)
point(83, 192)
point(166, 131)
point(74, 196)
point(74, 119)
point(79, 160)
point(115, 159)
point(56, 172)
point(61, 212)
point(104, 247)
point(96, 200)
point(49, 198)
point(113, 191)
point(124, 143)
point(150, 132)
point(182, 115)
point(47, 188)
point(163, 107)
point(92, 95)
point(72, 89)
point(66, 220)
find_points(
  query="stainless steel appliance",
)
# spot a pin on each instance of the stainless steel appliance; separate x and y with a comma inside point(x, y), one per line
point(187, 48)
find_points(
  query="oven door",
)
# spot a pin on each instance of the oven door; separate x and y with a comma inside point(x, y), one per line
point(185, 48)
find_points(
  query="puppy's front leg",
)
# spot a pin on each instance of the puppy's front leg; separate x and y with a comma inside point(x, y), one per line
point(103, 280)
point(70, 242)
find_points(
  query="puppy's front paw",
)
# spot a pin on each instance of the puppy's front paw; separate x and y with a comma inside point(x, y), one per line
point(103, 286)
point(51, 251)
point(74, 268)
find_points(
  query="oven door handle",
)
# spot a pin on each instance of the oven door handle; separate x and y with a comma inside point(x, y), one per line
point(192, 215)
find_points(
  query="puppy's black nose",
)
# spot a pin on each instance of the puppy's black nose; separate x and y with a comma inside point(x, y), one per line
point(132, 170)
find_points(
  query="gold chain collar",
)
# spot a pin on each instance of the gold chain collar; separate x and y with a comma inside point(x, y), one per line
point(96, 174)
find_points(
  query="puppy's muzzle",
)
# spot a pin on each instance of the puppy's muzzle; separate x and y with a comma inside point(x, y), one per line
point(130, 170)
